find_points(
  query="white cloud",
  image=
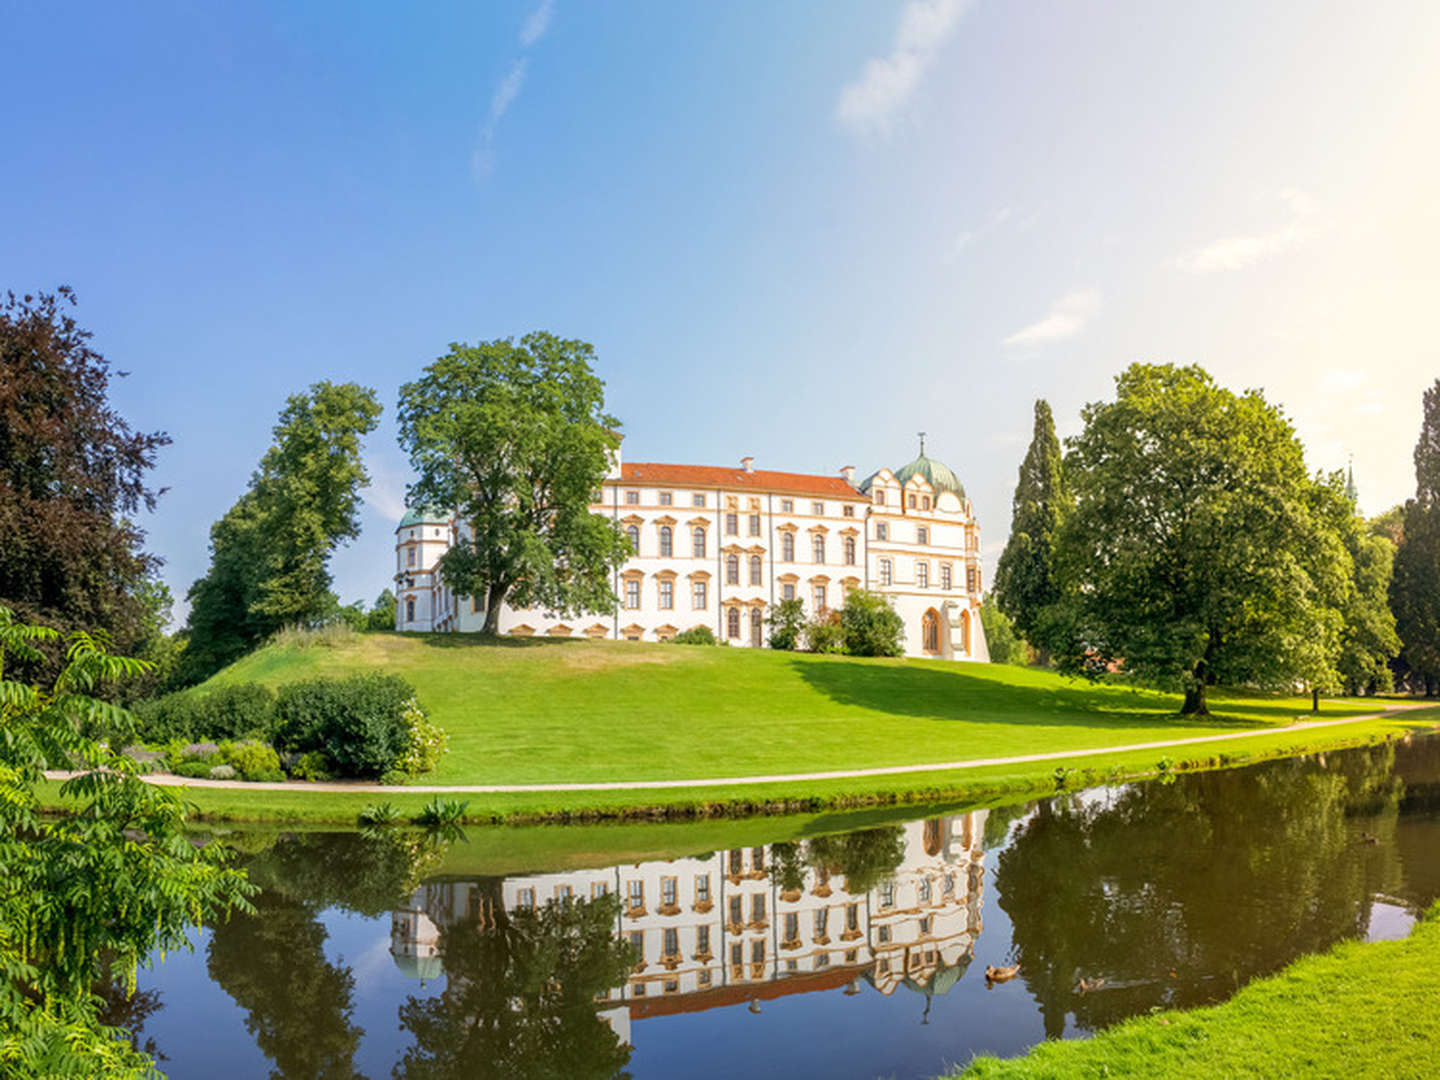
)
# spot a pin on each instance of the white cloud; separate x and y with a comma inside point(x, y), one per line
point(538, 22)
point(385, 493)
point(1238, 252)
point(869, 104)
point(505, 94)
point(1067, 317)
point(963, 239)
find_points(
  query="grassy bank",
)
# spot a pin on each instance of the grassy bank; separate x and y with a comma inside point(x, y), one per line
point(1357, 1011)
point(525, 711)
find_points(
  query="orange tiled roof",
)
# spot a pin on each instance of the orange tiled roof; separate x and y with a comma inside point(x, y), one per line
point(653, 472)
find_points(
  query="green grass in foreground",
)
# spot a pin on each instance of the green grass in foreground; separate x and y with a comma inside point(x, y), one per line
point(1357, 1011)
point(528, 711)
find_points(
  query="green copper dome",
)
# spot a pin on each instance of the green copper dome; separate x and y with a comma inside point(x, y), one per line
point(423, 516)
point(936, 472)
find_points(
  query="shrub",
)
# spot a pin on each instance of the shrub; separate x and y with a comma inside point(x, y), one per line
point(787, 620)
point(164, 719)
point(696, 635)
point(266, 776)
point(870, 626)
point(824, 634)
point(393, 777)
point(440, 811)
point(193, 769)
point(359, 723)
point(250, 759)
point(222, 772)
point(1006, 645)
point(425, 741)
point(313, 765)
point(379, 814)
point(235, 712)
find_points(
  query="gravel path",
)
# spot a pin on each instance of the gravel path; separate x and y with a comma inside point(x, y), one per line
point(170, 780)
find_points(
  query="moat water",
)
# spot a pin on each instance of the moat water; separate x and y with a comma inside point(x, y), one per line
point(859, 954)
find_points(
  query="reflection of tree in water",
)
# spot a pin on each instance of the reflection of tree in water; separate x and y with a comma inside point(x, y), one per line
point(866, 857)
point(368, 873)
point(1177, 894)
point(298, 1004)
point(122, 1009)
point(520, 997)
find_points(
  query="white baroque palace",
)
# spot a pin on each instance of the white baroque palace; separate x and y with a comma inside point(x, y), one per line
point(720, 547)
point(723, 929)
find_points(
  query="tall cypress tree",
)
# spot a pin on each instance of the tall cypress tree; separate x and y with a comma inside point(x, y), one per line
point(1026, 582)
point(1415, 588)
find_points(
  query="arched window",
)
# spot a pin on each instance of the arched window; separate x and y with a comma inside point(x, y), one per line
point(633, 532)
point(787, 547)
point(757, 630)
point(732, 623)
point(965, 632)
point(732, 570)
point(667, 542)
point(757, 570)
point(697, 542)
point(930, 632)
point(409, 609)
point(849, 551)
point(817, 547)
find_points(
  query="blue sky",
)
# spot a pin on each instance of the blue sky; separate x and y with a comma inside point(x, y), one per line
point(798, 231)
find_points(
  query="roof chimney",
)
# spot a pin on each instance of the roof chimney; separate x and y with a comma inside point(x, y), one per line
point(848, 472)
point(748, 464)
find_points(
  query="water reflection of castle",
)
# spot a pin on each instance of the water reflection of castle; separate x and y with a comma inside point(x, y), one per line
point(724, 929)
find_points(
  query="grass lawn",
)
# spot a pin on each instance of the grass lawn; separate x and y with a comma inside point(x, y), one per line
point(1357, 1011)
point(527, 711)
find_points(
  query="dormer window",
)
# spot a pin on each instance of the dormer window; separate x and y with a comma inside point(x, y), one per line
point(880, 498)
point(925, 502)
point(912, 502)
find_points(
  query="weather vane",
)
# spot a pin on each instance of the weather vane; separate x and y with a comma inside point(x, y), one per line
point(922, 443)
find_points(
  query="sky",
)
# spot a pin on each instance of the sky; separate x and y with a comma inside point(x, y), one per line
point(799, 231)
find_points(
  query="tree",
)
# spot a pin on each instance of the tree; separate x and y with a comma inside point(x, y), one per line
point(515, 437)
point(866, 856)
point(787, 620)
point(72, 477)
point(93, 894)
point(1199, 550)
point(382, 614)
point(1368, 641)
point(1027, 582)
point(1006, 646)
point(270, 553)
point(870, 625)
point(1415, 588)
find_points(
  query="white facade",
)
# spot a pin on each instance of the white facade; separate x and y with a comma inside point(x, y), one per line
point(720, 547)
point(721, 929)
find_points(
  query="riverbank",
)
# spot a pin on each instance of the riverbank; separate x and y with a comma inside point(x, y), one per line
point(956, 784)
point(1360, 1010)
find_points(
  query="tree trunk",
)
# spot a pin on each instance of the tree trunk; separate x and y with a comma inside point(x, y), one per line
point(1195, 700)
point(1314, 699)
point(494, 597)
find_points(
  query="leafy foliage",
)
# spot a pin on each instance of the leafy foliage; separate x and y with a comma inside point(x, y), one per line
point(696, 635)
point(515, 437)
point(72, 478)
point(1027, 581)
point(358, 723)
point(1006, 646)
point(1368, 641)
point(245, 710)
point(823, 632)
point(269, 554)
point(381, 615)
point(1198, 550)
point(787, 623)
point(93, 893)
point(866, 857)
point(870, 625)
point(425, 742)
point(1415, 590)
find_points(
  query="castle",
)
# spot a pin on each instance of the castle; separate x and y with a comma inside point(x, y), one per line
point(720, 547)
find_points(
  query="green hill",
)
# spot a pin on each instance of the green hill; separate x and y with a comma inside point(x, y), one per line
point(541, 711)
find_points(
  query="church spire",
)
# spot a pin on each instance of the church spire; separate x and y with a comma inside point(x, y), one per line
point(1351, 492)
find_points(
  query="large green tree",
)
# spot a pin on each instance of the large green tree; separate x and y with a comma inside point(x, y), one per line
point(515, 437)
point(1368, 642)
point(1027, 584)
point(270, 553)
point(87, 897)
point(1199, 550)
point(1415, 588)
point(72, 478)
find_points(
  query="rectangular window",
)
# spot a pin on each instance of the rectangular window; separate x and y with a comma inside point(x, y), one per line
point(737, 913)
point(732, 570)
point(922, 535)
point(792, 926)
point(882, 935)
point(757, 570)
point(912, 502)
point(667, 595)
point(879, 498)
point(849, 551)
point(852, 917)
point(410, 556)
point(599, 889)
point(564, 894)
point(849, 511)
point(970, 578)
point(702, 939)
point(757, 859)
point(632, 593)
point(757, 908)
point(947, 576)
point(737, 954)
point(737, 863)
point(886, 572)
point(757, 952)
point(787, 547)
point(632, 498)
point(702, 889)
point(817, 548)
point(732, 524)
point(926, 923)
point(636, 894)
point(925, 502)
point(667, 498)
point(822, 920)
point(669, 891)
point(703, 979)
point(818, 509)
point(924, 889)
point(697, 542)
point(823, 960)
point(787, 592)
point(698, 596)
point(697, 499)
point(525, 899)
point(882, 530)
point(819, 597)
point(672, 941)
point(922, 574)
point(787, 506)
point(754, 524)
point(887, 894)
point(950, 884)
point(476, 605)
